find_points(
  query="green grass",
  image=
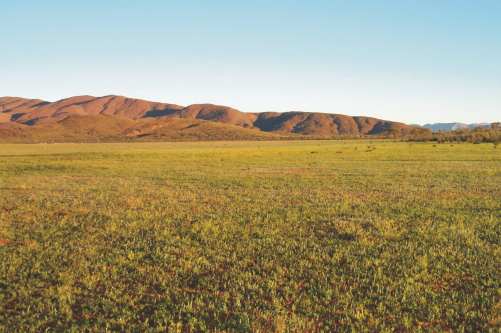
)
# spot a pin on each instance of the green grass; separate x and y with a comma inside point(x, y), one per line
point(250, 236)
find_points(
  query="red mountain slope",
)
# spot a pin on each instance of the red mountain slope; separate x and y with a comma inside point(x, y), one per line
point(118, 117)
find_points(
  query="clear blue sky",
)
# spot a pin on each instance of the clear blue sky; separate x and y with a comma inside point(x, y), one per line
point(413, 61)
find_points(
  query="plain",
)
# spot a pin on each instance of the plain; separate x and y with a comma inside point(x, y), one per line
point(250, 236)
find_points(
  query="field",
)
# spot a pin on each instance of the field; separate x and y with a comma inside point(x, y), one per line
point(300, 236)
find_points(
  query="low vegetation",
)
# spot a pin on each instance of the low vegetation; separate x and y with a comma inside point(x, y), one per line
point(477, 135)
point(300, 236)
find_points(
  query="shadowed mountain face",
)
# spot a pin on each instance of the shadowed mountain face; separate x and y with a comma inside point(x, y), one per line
point(116, 117)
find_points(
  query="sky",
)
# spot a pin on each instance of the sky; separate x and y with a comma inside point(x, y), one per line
point(415, 61)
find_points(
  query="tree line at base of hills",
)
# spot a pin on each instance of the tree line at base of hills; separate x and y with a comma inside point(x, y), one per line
point(490, 134)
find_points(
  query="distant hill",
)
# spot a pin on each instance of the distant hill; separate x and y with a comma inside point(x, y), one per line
point(445, 127)
point(117, 118)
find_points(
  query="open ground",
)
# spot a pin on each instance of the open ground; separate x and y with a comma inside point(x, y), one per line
point(250, 236)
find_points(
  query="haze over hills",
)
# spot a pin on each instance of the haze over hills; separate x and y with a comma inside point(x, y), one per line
point(83, 118)
point(437, 127)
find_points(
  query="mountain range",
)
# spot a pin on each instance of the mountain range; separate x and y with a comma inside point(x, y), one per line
point(119, 118)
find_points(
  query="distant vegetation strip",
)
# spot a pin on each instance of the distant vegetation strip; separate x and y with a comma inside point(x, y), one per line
point(476, 135)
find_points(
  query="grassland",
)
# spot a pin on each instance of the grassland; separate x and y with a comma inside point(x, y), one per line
point(250, 236)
